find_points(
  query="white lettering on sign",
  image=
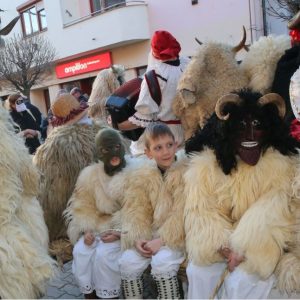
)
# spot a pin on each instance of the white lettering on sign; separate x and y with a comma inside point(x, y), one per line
point(93, 62)
point(78, 66)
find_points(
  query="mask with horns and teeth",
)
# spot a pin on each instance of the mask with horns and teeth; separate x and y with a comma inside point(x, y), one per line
point(250, 130)
point(245, 124)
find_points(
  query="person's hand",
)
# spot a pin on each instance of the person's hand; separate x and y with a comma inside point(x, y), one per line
point(89, 238)
point(154, 245)
point(139, 245)
point(29, 133)
point(233, 259)
point(110, 237)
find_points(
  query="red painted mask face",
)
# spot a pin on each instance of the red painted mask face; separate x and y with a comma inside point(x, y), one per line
point(249, 140)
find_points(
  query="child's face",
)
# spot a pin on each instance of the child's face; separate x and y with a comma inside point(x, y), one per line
point(163, 150)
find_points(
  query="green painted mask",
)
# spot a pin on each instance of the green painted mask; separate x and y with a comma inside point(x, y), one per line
point(110, 150)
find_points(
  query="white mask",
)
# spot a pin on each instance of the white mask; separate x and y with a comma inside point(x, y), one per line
point(21, 107)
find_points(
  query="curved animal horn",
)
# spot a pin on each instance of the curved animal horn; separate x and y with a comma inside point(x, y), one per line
point(274, 99)
point(200, 43)
point(241, 44)
point(229, 98)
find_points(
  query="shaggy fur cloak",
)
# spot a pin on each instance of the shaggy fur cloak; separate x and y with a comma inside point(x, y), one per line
point(66, 151)
point(212, 73)
point(154, 205)
point(96, 200)
point(25, 265)
point(106, 82)
point(249, 210)
point(259, 64)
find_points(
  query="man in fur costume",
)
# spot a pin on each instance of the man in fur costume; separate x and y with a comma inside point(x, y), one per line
point(93, 209)
point(239, 211)
point(106, 82)
point(153, 216)
point(25, 265)
point(67, 150)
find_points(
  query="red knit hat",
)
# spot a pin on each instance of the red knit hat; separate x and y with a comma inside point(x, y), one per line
point(164, 46)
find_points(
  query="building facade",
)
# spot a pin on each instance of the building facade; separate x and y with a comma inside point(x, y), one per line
point(90, 35)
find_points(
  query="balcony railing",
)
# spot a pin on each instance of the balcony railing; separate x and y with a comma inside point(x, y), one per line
point(105, 9)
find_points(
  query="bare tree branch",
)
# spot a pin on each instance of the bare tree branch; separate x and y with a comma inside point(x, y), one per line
point(26, 62)
point(283, 9)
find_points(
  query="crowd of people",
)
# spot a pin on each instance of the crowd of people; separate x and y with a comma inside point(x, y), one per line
point(223, 204)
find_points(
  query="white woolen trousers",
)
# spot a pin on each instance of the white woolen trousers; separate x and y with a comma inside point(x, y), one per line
point(165, 263)
point(203, 279)
point(96, 267)
point(241, 285)
point(237, 284)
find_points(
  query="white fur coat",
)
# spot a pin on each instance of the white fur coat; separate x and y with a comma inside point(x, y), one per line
point(153, 205)
point(97, 199)
point(25, 265)
point(249, 210)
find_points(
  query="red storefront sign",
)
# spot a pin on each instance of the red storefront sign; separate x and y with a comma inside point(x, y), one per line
point(83, 65)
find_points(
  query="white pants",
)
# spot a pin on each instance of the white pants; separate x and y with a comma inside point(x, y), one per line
point(237, 284)
point(165, 263)
point(96, 267)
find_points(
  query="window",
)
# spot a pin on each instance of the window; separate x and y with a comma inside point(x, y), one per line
point(42, 19)
point(98, 5)
point(33, 20)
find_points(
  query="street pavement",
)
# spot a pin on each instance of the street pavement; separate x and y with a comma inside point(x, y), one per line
point(63, 286)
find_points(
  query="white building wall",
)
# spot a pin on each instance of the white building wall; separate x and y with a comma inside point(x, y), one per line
point(126, 31)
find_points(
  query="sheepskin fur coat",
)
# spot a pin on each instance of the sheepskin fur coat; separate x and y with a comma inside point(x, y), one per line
point(66, 151)
point(25, 265)
point(104, 85)
point(154, 205)
point(251, 210)
point(97, 199)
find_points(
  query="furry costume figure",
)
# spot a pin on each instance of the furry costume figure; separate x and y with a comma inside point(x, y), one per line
point(153, 205)
point(25, 264)
point(212, 72)
point(93, 208)
point(67, 150)
point(106, 82)
point(229, 194)
point(96, 198)
point(153, 209)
